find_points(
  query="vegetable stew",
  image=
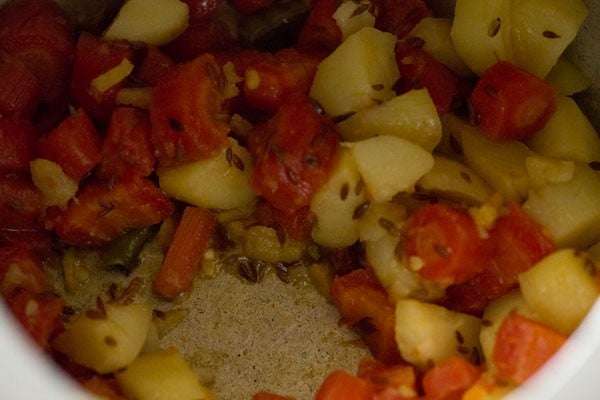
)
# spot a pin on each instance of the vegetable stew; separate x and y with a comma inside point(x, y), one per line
point(400, 198)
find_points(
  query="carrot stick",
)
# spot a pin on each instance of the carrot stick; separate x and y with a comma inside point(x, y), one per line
point(182, 261)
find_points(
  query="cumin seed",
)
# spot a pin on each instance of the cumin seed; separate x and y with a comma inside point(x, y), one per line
point(442, 251)
point(378, 86)
point(389, 226)
point(416, 42)
point(595, 165)
point(111, 341)
point(459, 337)
point(176, 125)
point(550, 35)
point(343, 117)
point(466, 177)
point(237, 162)
point(360, 9)
point(360, 210)
point(360, 185)
point(490, 91)
point(494, 27)
point(344, 191)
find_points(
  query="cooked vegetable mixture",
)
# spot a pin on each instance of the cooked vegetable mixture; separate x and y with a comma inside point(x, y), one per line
point(424, 165)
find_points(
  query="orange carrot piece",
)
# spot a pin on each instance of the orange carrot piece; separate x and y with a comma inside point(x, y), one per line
point(522, 347)
point(182, 261)
point(449, 380)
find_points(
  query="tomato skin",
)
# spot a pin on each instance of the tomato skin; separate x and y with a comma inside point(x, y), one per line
point(294, 153)
point(20, 269)
point(17, 144)
point(39, 33)
point(364, 305)
point(320, 33)
point(295, 223)
point(510, 103)
point(279, 75)
point(104, 211)
point(342, 385)
point(187, 114)
point(447, 242)
point(154, 66)
point(449, 380)
point(93, 57)
point(75, 145)
point(127, 149)
point(200, 38)
point(419, 69)
point(391, 381)
point(518, 242)
point(20, 89)
point(400, 17)
point(40, 314)
point(522, 347)
point(21, 203)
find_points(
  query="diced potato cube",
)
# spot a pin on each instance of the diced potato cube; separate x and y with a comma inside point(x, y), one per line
point(428, 333)
point(567, 78)
point(106, 340)
point(493, 316)
point(435, 33)
point(454, 180)
point(56, 186)
point(358, 74)
point(500, 164)
point(352, 16)
point(335, 203)
point(545, 170)
point(399, 281)
point(163, 375)
point(561, 288)
point(568, 134)
point(389, 165)
point(155, 22)
point(220, 182)
point(411, 116)
point(381, 219)
point(541, 31)
point(481, 32)
point(569, 211)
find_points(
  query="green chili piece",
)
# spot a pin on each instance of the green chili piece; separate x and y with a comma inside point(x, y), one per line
point(275, 27)
point(122, 252)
